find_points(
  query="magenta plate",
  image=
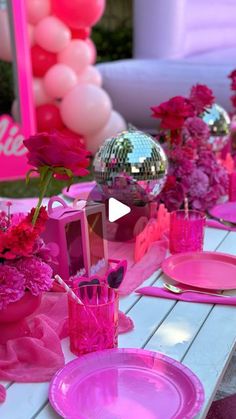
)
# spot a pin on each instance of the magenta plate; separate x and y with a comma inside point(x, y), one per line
point(79, 190)
point(125, 383)
point(208, 270)
point(226, 211)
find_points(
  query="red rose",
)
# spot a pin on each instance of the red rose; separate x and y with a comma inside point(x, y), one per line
point(173, 113)
point(201, 97)
point(232, 75)
point(56, 150)
point(233, 100)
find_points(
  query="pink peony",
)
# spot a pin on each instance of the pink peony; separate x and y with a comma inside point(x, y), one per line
point(38, 274)
point(173, 112)
point(201, 98)
point(12, 285)
point(196, 129)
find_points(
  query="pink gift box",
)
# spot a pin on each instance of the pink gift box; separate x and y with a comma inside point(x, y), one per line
point(79, 235)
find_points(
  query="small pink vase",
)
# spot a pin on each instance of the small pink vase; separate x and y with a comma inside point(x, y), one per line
point(13, 319)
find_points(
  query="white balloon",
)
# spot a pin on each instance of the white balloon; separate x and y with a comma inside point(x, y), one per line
point(115, 124)
point(90, 75)
point(39, 93)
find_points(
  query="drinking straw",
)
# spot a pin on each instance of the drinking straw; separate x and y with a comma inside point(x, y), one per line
point(68, 289)
point(186, 207)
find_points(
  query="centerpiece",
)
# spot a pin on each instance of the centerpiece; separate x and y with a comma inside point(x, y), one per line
point(194, 171)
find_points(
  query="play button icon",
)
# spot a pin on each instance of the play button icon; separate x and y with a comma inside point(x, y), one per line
point(116, 210)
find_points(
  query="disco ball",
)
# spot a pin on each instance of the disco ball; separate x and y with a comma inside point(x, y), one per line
point(218, 121)
point(131, 167)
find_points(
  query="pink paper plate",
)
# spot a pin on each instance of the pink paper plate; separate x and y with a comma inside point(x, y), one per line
point(120, 383)
point(226, 211)
point(81, 190)
point(208, 270)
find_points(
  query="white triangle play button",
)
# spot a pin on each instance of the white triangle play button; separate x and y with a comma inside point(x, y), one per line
point(116, 209)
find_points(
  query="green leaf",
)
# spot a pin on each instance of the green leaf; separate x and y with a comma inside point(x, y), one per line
point(27, 177)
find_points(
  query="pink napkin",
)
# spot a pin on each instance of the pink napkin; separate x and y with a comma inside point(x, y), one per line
point(37, 357)
point(187, 296)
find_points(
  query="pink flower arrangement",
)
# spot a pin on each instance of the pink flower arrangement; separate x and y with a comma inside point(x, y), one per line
point(194, 171)
point(232, 77)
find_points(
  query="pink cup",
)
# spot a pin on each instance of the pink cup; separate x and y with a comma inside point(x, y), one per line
point(186, 231)
point(93, 326)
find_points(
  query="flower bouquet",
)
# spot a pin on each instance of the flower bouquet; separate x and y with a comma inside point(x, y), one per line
point(25, 261)
point(194, 171)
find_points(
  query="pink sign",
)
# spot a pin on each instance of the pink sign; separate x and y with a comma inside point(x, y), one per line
point(13, 162)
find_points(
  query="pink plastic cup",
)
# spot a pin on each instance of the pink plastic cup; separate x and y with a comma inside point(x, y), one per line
point(186, 231)
point(94, 325)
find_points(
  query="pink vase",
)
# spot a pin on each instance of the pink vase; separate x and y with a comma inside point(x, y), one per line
point(13, 319)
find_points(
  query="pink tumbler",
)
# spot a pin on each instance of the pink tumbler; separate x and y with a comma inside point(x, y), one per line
point(186, 231)
point(93, 326)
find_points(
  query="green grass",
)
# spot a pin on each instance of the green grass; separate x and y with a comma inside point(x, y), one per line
point(19, 189)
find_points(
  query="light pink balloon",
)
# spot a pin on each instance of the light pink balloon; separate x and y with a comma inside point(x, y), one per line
point(58, 80)
point(37, 10)
point(31, 34)
point(92, 51)
point(5, 40)
point(114, 125)
point(51, 34)
point(39, 93)
point(90, 75)
point(15, 110)
point(85, 109)
point(76, 55)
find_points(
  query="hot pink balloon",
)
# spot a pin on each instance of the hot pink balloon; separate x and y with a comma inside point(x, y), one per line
point(39, 93)
point(114, 125)
point(92, 51)
point(85, 109)
point(58, 80)
point(90, 75)
point(51, 34)
point(5, 40)
point(37, 10)
point(78, 13)
point(76, 55)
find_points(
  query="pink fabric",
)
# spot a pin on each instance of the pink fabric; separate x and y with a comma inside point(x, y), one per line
point(223, 409)
point(37, 357)
point(2, 393)
point(138, 272)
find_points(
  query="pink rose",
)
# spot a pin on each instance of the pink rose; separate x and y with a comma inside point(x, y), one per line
point(173, 113)
point(56, 150)
point(201, 97)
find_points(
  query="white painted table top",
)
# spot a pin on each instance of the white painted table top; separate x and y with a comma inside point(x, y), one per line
point(202, 336)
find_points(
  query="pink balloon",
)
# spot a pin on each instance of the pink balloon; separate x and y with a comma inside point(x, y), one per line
point(90, 75)
point(85, 109)
point(31, 34)
point(114, 125)
point(39, 93)
point(76, 55)
point(58, 80)
point(51, 34)
point(37, 10)
point(92, 51)
point(78, 13)
point(5, 40)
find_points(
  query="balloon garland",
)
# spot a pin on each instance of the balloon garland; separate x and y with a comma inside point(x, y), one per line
point(67, 87)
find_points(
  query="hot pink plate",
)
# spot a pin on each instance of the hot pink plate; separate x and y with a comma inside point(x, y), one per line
point(208, 270)
point(120, 383)
point(226, 211)
point(79, 190)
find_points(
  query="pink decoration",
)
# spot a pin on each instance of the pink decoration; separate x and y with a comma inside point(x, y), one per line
point(5, 44)
point(58, 80)
point(37, 10)
point(12, 151)
point(90, 75)
point(48, 118)
point(114, 125)
point(78, 13)
point(232, 186)
point(76, 55)
point(40, 95)
point(3, 393)
point(92, 51)
point(80, 254)
point(42, 60)
point(85, 109)
point(51, 34)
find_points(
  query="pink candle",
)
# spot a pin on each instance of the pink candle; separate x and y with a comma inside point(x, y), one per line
point(232, 186)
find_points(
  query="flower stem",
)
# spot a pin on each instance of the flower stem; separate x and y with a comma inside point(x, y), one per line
point(43, 189)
